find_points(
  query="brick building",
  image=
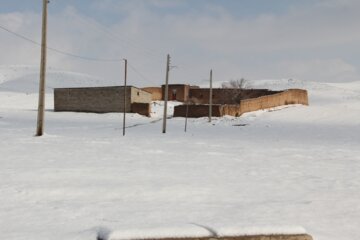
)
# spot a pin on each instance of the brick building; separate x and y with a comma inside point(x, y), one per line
point(101, 99)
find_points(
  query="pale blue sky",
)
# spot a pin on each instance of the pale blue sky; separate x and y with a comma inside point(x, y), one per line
point(315, 40)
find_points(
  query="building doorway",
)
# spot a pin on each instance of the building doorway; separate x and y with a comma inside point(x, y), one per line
point(173, 96)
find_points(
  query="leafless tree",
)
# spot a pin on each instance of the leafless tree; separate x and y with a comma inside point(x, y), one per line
point(241, 83)
point(234, 89)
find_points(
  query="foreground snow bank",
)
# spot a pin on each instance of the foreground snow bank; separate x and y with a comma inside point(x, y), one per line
point(196, 231)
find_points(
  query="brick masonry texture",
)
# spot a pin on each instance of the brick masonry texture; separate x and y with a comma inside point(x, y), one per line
point(291, 96)
point(98, 99)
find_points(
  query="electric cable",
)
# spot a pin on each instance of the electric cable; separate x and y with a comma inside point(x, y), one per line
point(59, 51)
point(77, 56)
point(103, 29)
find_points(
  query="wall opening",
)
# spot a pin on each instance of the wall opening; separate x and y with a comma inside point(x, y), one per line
point(173, 94)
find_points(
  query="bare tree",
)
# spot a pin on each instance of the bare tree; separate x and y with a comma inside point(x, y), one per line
point(241, 83)
point(234, 90)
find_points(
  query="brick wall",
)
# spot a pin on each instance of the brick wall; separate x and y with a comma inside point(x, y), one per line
point(291, 96)
point(141, 108)
point(226, 95)
point(196, 111)
point(155, 91)
point(140, 96)
point(177, 92)
point(98, 99)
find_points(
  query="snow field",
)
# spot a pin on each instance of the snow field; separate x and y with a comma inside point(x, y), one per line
point(265, 171)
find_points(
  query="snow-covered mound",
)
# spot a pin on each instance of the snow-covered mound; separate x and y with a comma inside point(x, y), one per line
point(26, 79)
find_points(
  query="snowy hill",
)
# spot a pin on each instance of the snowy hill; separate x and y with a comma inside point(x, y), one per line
point(266, 170)
point(26, 79)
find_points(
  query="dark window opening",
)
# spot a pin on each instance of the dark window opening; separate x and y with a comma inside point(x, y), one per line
point(173, 94)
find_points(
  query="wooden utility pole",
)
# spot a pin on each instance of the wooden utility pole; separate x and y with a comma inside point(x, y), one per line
point(125, 79)
point(210, 97)
point(41, 106)
point(166, 93)
point(186, 113)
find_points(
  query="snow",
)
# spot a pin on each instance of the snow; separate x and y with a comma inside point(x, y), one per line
point(281, 170)
point(187, 230)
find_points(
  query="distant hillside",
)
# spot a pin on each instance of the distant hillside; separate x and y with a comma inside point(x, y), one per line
point(279, 84)
point(26, 79)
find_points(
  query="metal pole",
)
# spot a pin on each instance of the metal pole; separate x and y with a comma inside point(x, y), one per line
point(166, 92)
point(125, 79)
point(41, 104)
point(210, 97)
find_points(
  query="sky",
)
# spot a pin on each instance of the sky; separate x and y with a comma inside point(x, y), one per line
point(310, 40)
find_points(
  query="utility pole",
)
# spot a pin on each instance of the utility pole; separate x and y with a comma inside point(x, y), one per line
point(186, 113)
point(125, 79)
point(41, 106)
point(210, 97)
point(166, 93)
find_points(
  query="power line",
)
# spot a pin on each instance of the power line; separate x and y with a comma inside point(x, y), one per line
point(138, 72)
point(142, 76)
point(74, 55)
point(79, 56)
point(59, 51)
point(126, 40)
point(84, 57)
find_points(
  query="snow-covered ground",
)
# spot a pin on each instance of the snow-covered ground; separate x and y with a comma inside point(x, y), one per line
point(264, 171)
